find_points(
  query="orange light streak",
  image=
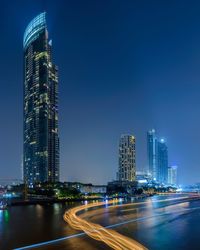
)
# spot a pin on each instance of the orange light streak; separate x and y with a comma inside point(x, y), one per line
point(97, 232)
point(110, 237)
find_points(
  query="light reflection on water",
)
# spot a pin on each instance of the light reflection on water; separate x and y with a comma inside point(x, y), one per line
point(45, 222)
point(56, 207)
point(4, 216)
point(1, 216)
point(39, 211)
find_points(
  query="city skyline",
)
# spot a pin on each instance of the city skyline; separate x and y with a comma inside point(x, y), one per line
point(102, 86)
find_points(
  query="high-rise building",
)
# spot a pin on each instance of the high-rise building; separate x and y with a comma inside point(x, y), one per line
point(152, 153)
point(157, 157)
point(127, 158)
point(41, 141)
point(172, 175)
point(162, 169)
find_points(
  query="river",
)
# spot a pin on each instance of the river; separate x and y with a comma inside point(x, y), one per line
point(172, 224)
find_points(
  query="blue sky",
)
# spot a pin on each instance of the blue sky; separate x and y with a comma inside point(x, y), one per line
point(124, 67)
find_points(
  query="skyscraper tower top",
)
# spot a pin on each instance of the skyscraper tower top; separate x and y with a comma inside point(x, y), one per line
point(152, 131)
point(33, 29)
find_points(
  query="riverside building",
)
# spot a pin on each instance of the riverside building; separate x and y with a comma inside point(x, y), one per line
point(162, 171)
point(152, 153)
point(172, 175)
point(41, 140)
point(157, 153)
point(127, 158)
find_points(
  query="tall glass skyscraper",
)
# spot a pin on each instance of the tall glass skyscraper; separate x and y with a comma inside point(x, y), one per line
point(157, 152)
point(152, 152)
point(172, 175)
point(127, 158)
point(162, 172)
point(41, 141)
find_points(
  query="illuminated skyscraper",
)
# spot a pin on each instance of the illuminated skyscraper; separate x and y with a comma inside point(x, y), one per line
point(127, 161)
point(152, 153)
point(41, 141)
point(172, 175)
point(162, 169)
point(157, 157)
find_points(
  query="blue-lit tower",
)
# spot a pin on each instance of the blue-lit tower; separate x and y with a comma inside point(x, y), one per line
point(152, 153)
point(172, 175)
point(162, 173)
point(41, 141)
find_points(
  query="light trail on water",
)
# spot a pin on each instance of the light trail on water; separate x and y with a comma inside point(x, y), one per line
point(106, 235)
point(114, 225)
point(97, 232)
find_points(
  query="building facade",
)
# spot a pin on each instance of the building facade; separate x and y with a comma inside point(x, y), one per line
point(41, 140)
point(152, 153)
point(172, 175)
point(157, 153)
point(127, 158)
point(162, 170)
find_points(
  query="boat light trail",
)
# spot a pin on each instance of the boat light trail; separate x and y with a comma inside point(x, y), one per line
point(50, 242)
point(97, 232)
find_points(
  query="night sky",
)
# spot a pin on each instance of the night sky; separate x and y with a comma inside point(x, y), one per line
point(124, 67)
